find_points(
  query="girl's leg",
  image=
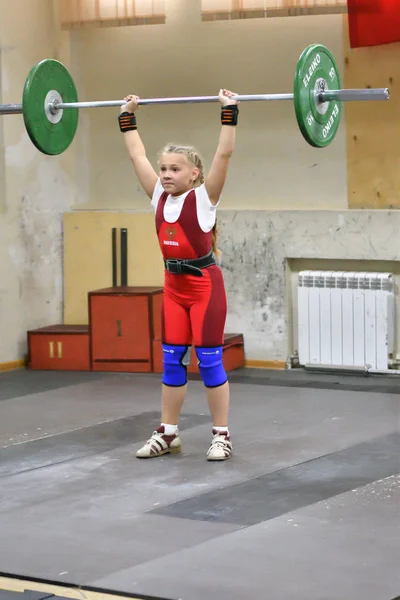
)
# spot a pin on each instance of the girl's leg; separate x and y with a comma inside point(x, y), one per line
point(176, 334)
point(172, 399)
point(218, 401)
point(208, 323)
point(176, 339)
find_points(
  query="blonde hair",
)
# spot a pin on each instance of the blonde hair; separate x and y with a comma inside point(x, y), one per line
point(195, 159)
point(191, 155)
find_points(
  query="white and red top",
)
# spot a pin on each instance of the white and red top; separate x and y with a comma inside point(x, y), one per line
point(184, 223)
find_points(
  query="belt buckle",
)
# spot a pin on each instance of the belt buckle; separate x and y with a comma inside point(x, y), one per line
point(175, 264)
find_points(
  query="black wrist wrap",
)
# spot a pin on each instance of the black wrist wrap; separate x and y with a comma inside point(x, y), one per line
point(229, 115)
point(127, 122)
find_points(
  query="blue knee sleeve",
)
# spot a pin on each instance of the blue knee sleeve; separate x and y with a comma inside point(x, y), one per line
point(175, 366)
point(211, 367)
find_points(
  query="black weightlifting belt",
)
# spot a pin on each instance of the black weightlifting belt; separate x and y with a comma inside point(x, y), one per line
point(189, 266)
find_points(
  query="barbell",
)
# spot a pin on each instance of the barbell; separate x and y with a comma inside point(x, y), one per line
point(50, 101)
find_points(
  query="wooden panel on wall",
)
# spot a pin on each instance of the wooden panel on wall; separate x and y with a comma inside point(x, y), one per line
point(373, 128)
point(88, 256)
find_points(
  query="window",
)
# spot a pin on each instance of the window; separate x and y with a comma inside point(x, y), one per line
point(243, 9)
point(114, 13)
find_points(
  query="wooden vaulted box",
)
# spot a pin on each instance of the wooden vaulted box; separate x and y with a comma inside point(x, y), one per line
point(59, 348)
point(124, 334)
point(123, 324)
point(232, 354)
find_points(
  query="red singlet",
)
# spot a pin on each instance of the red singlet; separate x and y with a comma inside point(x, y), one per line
point(194, 309)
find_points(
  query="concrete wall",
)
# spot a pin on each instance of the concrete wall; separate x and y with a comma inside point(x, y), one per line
point(272, 166)
point(273, 169)
point(285, 204)
point(35, 190)
point(261, 264)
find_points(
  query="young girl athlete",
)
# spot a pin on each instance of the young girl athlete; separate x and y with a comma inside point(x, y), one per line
point(194, 300)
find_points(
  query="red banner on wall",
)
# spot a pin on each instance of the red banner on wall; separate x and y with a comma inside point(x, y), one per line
point(373, 22)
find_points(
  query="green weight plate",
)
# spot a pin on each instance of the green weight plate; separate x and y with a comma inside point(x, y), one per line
point(318, 122)
point(49, 137)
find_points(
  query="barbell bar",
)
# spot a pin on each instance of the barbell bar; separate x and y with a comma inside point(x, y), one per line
point(49, 91)
point(356, 95)
point(10, 109)
point(341, 95)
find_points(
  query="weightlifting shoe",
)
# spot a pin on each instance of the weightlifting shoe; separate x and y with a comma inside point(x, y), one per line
point(160, 444)
point(221, 446)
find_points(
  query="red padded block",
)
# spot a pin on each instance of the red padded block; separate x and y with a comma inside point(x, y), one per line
point(123, 323)
point(59, 348)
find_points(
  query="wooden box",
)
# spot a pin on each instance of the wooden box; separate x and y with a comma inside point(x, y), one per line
point(233, 354)
point(123, 323)
point(59, 348)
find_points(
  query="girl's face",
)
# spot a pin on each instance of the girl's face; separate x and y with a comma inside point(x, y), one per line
point(177, 174)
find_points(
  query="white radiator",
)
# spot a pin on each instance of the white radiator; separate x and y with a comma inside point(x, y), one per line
point(345, 318)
